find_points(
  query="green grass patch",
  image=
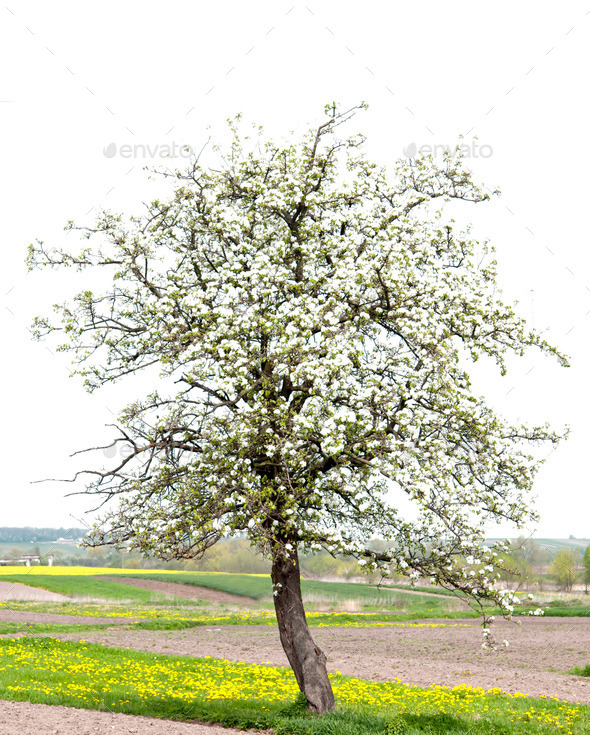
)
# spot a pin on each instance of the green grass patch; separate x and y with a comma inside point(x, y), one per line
point(260, 696)
point(567, 603)
point(346, 620)
point(166, 617)
point(9, 628)
point(105, 610)
point(580, 671)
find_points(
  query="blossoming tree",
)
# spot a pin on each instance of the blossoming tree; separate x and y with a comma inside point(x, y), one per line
point(317, 315)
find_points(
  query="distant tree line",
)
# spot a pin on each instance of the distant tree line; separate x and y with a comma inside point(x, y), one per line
point(529, 565)
point(25, 534)
point(230, 555)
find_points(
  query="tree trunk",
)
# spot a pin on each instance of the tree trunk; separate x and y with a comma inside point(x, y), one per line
point(307, 660)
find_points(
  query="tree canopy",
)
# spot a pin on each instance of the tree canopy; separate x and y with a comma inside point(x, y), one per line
point(317, 314)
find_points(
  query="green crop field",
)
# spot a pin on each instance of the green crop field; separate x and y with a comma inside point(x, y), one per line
point(84, 582)
point(428, 602)
point(247, 585)
point(258, 587)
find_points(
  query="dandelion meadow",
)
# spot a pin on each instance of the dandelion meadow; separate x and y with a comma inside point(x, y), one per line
point(84, 675)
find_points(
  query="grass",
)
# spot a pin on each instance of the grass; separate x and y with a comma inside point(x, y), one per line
point(10, 628)
point(259, 696)
point(580, 670)
point(167, 616)
point(125, 611)
point(319, 620)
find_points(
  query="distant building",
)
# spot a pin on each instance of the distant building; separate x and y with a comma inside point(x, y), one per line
point(26, 559)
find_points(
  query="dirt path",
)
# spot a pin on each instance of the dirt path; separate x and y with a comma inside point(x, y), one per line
point(24, 718)
point(187, 591)
point(539, 650)
point(16, 591)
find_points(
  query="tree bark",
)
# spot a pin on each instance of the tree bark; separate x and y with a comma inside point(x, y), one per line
point(307, 660)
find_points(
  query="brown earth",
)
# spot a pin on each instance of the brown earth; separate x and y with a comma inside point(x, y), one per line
point(24, 718)
point(16, 591)
point(186, 591)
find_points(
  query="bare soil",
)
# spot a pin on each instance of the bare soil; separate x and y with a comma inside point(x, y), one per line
point(16, 591)
point(186, 591)
point(24, 718)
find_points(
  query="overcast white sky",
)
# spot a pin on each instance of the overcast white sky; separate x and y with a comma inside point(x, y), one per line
point(80, 81)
